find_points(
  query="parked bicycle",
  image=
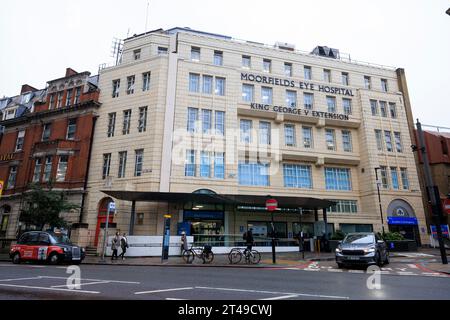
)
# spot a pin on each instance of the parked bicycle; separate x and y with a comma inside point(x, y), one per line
point(251, 256)
point(205, 254)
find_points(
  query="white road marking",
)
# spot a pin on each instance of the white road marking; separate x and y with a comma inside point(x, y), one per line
point(165, 290)
point(45, 288)
point(356, 271)
point(335, 270)
point(271, 292)
point(81, 284)
point(174, 299)
point(20, 279)
point(413, 266)
point(281, 297)
point(114, 281)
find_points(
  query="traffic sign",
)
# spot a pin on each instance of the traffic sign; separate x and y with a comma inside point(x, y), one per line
point(271, 204)
point(447, 205)
point(112, 206)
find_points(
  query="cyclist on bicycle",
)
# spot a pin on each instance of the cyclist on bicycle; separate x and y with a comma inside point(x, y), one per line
point(249, 241)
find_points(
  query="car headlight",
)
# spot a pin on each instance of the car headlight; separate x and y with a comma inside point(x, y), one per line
point(369, 250)
point(338, 250)
point(65, 249)
point(82, 249)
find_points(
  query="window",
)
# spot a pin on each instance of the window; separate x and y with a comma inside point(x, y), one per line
point(383, 110)
point(330, 139)
point(297, 176)
point(248, 92)
point(347, 106)
point(392, 110)
point(126, 122)
point(347, 140)
point(142, 123)
point(111, 124)
point(137, 54)
point(20, 140)
point(207, 84)
point(146, 81)
point(405, 181)
point(344, 77)
point(326, 75)
point(264, 132)
point(388, 140)
point(367, 83)
point(189, 170)
point(163, 50)
point(69, 97)
point(267, 65)
point(291, 98)
point(246, 62)
point(195, 54)
point(266, 95)
point(116, 88)
point(77, 95)
point(46, 131)
point(205, 164)
point(253, 174)
point(338, 179)
point(60, 97)
point(246, 131)
point(289, 135)
point(344, 206)
point(394, 178)
point(220, 123)
point(71, 129)
point(194, 82)
point(192, 120)
point(288, 69)
point(351, 228)
point(37, 170)
point(384, 177)
point(206, 121)
point(331, 103)
point(219, 165)
point(384, 85)
point(106, 165)
point(379, 138)
point(52, 101)
point(307, 137)
point(47, 169)
point(374, 107)
point(140, 219)
point(307, 72)
point(122, 164)
point(220, 86)
point(139, 160)
point(130, 84)
point(62, 168)
point(4, 223)
point(308, 100)
point(218, 58)
point(398, 141)
point(12, 177)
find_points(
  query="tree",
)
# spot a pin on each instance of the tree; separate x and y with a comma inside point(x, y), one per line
point(43, 207)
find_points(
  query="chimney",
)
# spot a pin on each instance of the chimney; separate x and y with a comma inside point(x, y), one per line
point(27, 88)
point(70, 72)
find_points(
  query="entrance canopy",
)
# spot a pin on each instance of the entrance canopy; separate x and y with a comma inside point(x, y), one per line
point(232, 199)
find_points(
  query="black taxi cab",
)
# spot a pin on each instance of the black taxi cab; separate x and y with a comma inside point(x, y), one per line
point(47, 247)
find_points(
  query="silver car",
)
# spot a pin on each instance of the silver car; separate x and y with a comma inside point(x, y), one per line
point(364, 248)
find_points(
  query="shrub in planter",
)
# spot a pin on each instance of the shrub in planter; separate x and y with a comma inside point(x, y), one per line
point(338, 235)
point(393, 236)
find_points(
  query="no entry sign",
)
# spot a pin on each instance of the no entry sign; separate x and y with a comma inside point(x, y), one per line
point(271, 205)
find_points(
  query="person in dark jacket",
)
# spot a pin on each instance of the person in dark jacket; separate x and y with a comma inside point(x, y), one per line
point(115, 245)
point(123, 245)
point(249, 240)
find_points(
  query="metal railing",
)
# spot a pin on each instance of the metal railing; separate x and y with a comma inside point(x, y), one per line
point(236, 240)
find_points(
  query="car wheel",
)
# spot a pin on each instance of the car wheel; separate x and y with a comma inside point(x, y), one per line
point(340, 265)
point(386, 261)
point(378, 259)
point(53, 259)
point(16, 258)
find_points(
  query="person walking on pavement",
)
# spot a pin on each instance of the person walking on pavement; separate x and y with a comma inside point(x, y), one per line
point(114, 246)
point(123, 245)
point(248, 237)
point(184, 243)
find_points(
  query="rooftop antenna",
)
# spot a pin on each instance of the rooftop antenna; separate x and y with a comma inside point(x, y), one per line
point(146, 17)
point(116, 49)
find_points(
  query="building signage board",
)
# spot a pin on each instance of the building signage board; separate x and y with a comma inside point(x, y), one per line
point(403, 221)
point(300, 112)
point(7, 157)
point(444, 229)
point(208, 215)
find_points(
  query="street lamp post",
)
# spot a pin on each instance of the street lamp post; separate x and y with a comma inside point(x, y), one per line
point(379, 199)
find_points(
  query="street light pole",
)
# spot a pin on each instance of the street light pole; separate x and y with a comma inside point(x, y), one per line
point(379, 199)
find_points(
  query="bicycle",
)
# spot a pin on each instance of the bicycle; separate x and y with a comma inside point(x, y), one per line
point(204, 253)
point(251, 257)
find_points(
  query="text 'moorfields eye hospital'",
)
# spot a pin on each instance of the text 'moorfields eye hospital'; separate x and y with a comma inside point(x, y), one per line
point(205, 127)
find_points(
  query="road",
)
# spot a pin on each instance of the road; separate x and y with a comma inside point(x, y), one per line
point(311, 281)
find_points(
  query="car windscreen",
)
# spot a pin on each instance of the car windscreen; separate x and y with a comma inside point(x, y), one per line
point(359, 239)
point(59, 238)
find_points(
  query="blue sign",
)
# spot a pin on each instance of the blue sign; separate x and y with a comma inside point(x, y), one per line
point(403, 221)
point(112, 207)
point(205, 215)
point(444, 229)
point(166, 238)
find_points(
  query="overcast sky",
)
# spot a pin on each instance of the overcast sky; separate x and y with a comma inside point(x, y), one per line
point(39, 39)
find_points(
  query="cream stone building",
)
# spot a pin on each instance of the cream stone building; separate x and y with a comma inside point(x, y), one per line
point(204, 127)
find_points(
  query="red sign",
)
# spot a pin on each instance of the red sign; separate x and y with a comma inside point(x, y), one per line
point(447, 206)
point(271, 204)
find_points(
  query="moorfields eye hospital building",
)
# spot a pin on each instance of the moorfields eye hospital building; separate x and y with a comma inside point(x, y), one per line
point(205, 127)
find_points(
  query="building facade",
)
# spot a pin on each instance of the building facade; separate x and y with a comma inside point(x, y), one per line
point(194, 112)
point(47, 137)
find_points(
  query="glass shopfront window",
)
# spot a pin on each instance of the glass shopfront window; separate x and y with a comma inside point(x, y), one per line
point(264, 229)
point(205, 225)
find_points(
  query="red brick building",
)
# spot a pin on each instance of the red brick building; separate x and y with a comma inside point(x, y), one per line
point(46, 136)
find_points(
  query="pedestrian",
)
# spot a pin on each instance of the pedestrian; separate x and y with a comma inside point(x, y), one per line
point(248, 237)
point(184, 243)
point(114, 246)
point(123, 245)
